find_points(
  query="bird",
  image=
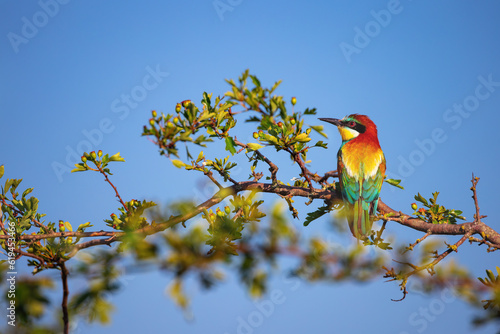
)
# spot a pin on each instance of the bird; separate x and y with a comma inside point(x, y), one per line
point(361, 168)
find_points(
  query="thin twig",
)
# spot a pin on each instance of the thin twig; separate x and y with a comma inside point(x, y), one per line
point(20, 252)
point(210, 175)
point(419, 240)
point(113, 186)
point(430, 266)
point(477, 216)
point(323, 179)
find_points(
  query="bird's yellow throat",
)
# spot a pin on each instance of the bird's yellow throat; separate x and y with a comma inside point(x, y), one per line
point(347, 133)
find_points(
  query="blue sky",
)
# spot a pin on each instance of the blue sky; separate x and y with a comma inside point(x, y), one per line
point(85, 75)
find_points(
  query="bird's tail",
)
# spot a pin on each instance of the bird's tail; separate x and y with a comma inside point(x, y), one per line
point(358, 217)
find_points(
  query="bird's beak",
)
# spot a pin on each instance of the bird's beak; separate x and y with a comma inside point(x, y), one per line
point(334, 121)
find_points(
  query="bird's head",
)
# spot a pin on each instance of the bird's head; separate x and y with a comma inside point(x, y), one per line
point(353, 125)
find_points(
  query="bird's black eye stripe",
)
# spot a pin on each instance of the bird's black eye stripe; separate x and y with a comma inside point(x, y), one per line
point(355, 126)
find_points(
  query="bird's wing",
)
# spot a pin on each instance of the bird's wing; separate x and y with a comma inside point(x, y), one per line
point(349, 185)
point(371, 186)
point(361, 194)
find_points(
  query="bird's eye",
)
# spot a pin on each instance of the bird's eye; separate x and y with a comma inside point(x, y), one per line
point(351, 124)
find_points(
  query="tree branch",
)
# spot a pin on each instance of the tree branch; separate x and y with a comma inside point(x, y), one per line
point(64, 304)
point(490, 236)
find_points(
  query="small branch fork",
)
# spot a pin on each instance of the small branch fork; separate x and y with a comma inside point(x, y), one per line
point(272, 167)
point(429, 267)
point(489, 236)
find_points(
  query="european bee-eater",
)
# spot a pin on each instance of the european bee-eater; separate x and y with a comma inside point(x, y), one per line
point(361, 168)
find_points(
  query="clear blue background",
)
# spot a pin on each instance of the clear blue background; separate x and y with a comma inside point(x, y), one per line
point(69, 75)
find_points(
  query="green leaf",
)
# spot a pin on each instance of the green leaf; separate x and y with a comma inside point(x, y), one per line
point(100, 310)
point(177, 294)
point(320, 144)
point(253, 119)
point(255, 81)
point(276, 84)
point(319, 129)
point(189, 156)
point(490, 275)
point(200, 156)
point(253, 146)
point(116, 157)
point(316, 214)
point(206, 97)
point(230, 145)
point(79, 168)
point(1, 171)
point(394, 183)
point(178, 163)
point(68, 227)
point(27, 191)
point(421, 199)
point(384, 245)
point(33, 203)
